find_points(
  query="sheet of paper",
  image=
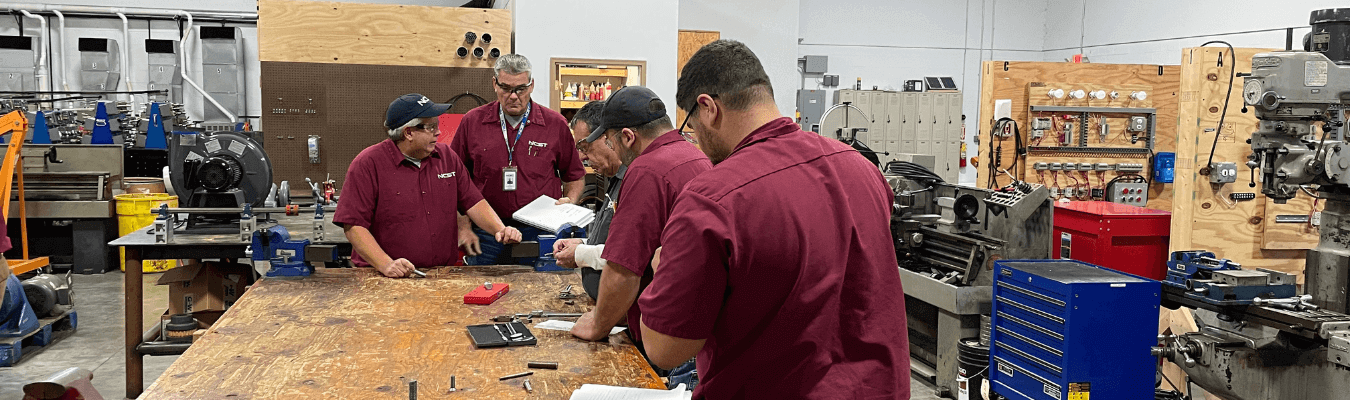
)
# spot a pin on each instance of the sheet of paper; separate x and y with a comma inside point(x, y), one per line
point(603, 392)
point(558, 325)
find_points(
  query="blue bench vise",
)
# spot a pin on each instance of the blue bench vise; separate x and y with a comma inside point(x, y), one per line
point(1222, 282)
point(287, 256)
point(546, 260)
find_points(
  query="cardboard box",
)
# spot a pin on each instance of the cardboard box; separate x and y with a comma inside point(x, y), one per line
point(209, 286)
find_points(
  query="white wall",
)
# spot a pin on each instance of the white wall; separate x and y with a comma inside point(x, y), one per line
point(1155, 31)
point(888, 42)
point(768, 27)
point(647, 33)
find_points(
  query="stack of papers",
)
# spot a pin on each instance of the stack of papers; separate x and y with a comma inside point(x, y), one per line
point(603, 392)
point(543, 214)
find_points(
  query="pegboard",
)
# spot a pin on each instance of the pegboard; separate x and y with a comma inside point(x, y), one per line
point(345, 105)
point(1026, 85)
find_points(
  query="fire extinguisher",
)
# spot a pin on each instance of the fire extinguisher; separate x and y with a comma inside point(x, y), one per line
point(963, 144)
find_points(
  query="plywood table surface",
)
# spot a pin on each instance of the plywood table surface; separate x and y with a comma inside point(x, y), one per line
point(350, 333)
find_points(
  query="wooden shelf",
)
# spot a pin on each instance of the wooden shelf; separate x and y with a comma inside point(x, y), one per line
point(573, 103)
point(606, 72)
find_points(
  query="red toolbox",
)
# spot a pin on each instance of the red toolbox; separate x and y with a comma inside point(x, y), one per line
point(1122, 237)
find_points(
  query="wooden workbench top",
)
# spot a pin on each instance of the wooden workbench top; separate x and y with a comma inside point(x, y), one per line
point(352, 334)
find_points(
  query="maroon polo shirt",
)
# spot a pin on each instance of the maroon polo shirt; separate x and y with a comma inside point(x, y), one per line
point(649, 190)
point(404, 206)
point(545, 156)
point(781, 258)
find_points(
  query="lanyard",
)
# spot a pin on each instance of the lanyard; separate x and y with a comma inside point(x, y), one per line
point(511, 146)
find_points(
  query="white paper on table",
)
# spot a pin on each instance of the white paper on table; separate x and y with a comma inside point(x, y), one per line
point(567, 326)
point(604, 392)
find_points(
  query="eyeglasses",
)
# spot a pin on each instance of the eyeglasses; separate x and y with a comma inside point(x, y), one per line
point(689, 136)
point(429, 127)
point(508, 90)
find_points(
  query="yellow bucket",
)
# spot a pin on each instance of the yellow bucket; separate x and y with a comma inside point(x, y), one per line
point(136, 211)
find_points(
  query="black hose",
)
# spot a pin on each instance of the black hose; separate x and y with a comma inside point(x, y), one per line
point(912, 171)
point(1232, 73)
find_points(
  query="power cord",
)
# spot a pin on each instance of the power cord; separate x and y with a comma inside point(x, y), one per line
point(1232, 73)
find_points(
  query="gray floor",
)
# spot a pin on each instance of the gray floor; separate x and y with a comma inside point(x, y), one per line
point(98, 346)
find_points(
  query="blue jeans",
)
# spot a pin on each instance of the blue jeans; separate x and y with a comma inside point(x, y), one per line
point(494, 253)
point(686, 374)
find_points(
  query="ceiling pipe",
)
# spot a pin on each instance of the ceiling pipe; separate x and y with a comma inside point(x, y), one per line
point(61, 30)
point(129, 11)
point(42, 52)
point(126, 60)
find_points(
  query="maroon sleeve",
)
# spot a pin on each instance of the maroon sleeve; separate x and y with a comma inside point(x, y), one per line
point(469, 195)
point(460, 144)
point(686, 293)
point(356, 207)
point(639, 216)
point(569, 162)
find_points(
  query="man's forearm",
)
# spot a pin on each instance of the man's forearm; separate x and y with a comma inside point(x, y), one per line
point(464, 223)
point(618, 289)
point(572, 190)
point(363, 243)
point(483, 216)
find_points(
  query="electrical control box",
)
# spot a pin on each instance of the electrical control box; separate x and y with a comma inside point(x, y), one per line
point(1138, 124)
point(810, 105)
point(1134, 194)
point(1223, 172)
point(815, 64)
point(1056, 322)
point(1164, 167)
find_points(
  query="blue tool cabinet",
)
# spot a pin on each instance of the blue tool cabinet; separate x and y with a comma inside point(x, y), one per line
point(1069, 330)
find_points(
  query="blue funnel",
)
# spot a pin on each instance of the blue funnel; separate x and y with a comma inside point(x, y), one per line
point(41, 135)
point(154, 137)
point(102, 132)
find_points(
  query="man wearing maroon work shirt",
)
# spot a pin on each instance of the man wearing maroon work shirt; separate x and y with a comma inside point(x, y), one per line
point(400, 196)
point(660, 161)
point(777, 266)
point(516, 151)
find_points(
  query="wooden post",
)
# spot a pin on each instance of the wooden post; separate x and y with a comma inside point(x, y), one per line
point(132, 308)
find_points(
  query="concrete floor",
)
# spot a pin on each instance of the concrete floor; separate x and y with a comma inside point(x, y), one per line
point(97, 344)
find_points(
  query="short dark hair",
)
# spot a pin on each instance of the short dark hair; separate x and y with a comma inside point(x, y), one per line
point(655, 128)
point(589, 113)
point(728, 69)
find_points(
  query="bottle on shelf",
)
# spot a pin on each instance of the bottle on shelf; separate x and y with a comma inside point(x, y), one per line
point(609, 89)
point(568, 94)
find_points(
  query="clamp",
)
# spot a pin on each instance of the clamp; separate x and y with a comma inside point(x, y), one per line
point(287, 256)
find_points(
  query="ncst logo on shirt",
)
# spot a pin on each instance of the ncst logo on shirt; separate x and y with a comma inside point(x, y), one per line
point(446, 175)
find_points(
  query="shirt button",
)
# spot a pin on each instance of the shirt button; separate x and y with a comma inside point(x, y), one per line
point(424, 192)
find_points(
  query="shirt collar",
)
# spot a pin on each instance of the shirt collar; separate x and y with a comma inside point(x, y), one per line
point(536, 114)
point(623, 169)
point(775, 128)
point(398, 156)
point(666, 138)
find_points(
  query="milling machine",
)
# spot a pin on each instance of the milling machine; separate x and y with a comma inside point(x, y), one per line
point(947, 238)
point(1263, 342)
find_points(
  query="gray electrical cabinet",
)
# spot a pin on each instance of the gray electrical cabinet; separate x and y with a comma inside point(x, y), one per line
point(100, 64)
point(927, 123)
point(18, 62)
point(164, 71)
point(223, 71)
point(810, 104)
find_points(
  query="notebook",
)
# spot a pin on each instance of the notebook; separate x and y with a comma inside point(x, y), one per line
point(543, 214)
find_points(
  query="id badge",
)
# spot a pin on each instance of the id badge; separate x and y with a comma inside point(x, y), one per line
point(509, 179)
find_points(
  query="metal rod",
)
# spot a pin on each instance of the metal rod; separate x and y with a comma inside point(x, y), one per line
point(542, 364)
point(229, 210)
point(513, 376)
point(1098, 110)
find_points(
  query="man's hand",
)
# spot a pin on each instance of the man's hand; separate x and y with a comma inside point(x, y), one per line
point(565, 250)
point(564, 200)
point(468, 242)
point(508, 235)
point(586, 329)
point(396, 268)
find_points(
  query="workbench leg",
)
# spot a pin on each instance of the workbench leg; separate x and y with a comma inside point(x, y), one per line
point(132, 307)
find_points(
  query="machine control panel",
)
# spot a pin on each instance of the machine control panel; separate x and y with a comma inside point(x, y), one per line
point(1135, 194)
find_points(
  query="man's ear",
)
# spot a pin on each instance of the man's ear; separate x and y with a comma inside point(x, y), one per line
point(627, 135)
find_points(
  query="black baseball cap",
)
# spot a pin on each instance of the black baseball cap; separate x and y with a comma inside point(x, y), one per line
point(409, 106)
point(629, 107)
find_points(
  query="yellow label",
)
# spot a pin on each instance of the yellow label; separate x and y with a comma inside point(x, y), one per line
point(1078, 395)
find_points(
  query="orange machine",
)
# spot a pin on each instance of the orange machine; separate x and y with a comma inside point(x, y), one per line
point(15, 125)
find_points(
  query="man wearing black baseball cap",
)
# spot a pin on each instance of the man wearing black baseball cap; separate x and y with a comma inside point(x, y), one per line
point(660, 161)
point(393, 207)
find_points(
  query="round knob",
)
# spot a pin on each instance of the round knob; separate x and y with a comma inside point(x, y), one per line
point(1115, 95)
point(1140, 95)
point(1078, 94)
point(1098, 94)
point(1057, 93)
